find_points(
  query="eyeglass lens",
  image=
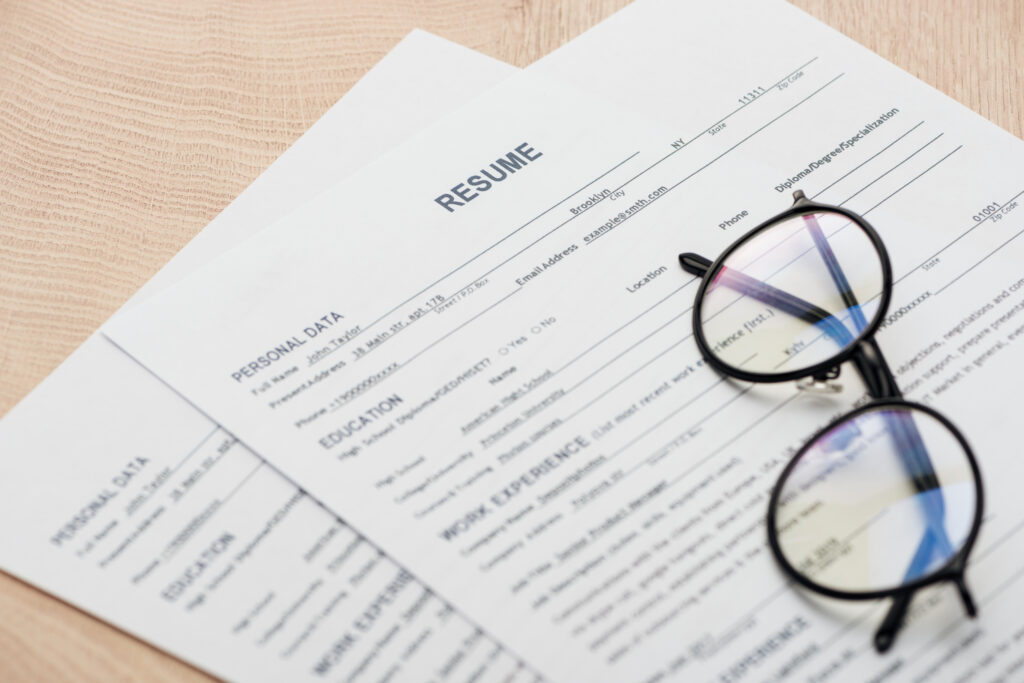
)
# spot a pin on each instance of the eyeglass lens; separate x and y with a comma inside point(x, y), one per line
point(884, 498)
point(793, 295)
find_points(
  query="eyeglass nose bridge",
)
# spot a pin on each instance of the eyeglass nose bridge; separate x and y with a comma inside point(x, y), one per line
point(821, 382)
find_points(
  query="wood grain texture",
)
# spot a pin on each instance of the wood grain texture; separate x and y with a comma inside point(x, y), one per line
point(126, 126)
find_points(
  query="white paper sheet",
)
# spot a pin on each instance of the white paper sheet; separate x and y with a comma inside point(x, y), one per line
point(507, 396)
point(119, 497)
point(373, 117)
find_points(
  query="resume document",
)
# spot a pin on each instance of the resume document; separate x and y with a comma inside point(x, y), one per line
point(479, 353)
point(123, 499)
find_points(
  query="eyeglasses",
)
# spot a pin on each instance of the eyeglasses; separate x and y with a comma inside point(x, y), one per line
point(885, 500)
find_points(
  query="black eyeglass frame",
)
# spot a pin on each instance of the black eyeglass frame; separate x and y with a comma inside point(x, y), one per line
point(952, 571)
point(867, 358)
point(800, 207)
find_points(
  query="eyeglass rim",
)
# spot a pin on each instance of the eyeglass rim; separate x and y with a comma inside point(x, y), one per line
point(801, 207)
point(951, 570)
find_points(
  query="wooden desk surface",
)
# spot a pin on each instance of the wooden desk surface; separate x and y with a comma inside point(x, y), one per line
point(126, 126)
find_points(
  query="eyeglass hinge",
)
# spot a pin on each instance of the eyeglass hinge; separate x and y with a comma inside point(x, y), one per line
point(800, 198)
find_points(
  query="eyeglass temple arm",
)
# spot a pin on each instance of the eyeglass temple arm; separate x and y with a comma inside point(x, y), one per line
point(918, 465)
point(694, 264)
point(834, 269)
point(885, 635)
point(919, 468)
